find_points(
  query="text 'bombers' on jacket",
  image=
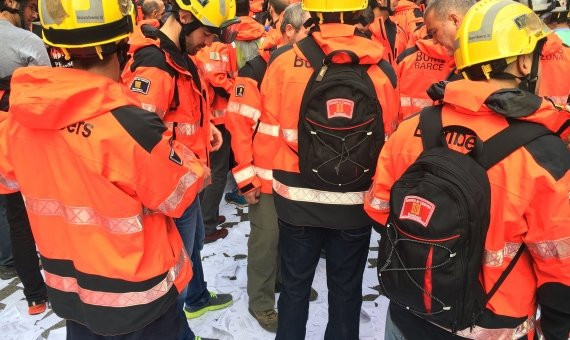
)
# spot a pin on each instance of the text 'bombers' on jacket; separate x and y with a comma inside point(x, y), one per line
point(101, 184)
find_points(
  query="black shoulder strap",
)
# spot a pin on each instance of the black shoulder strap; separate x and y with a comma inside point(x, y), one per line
point(431, 126)
point(504, 274)
point(517, 134)
point(312, 51)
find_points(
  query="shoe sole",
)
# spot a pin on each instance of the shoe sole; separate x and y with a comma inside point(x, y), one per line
point(200, 312)
point(236, 204)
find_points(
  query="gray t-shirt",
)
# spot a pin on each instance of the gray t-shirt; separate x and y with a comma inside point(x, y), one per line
point(20, 48)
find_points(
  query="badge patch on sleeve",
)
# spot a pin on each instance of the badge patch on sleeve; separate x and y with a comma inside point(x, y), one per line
point(240, 90)
point(417, 209)
point(140, 85)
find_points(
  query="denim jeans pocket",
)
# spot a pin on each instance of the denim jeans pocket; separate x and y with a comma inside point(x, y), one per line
point(356, 235)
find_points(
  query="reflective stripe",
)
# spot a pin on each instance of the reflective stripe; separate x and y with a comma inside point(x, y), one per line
point(214, 68)
point(290, 135)
point(108, 299)
point(267, 129)
point(481, 333)
point(218, 113)
point(496, 258)
point(174, 199)
point(244, 174)
point(416, 102)
point(83, 215)
point(551, 249)
point(152, 108)
point(376, 203)
point(184, 129)
point(318, 196)
point(264, 174)
point(9, 184)
point(244, 110)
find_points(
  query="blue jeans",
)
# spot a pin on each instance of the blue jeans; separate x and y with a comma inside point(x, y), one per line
point(346, 253)
point(5, 243)
point(391, 331)
point(191, 228)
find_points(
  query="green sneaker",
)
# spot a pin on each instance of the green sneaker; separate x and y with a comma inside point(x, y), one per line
point(200, 338)
point(217, 301)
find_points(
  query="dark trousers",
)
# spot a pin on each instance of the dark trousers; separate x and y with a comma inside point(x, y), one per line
point(167, 327)
point(212, 195)
point(346, 251)
point(6, 259)
point(24, 249)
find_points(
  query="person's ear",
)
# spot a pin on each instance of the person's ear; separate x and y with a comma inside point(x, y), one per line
point(524, 64)
point(186, 17)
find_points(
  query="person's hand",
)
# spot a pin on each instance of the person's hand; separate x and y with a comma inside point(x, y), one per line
point(252, 197)
point(216, 140)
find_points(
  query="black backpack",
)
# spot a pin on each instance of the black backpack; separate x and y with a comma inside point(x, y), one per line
point(340, 129)
point(431, 249)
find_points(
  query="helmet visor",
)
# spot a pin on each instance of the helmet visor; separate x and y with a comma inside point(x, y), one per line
point(227, 32)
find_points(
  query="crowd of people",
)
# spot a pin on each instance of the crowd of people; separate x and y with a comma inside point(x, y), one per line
point(443, 125)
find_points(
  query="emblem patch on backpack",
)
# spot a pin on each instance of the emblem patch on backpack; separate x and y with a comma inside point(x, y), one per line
point(340, 108)
point(417, 209)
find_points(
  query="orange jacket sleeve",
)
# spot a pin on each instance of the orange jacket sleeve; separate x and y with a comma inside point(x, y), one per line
point(181, 175)
point(386, 83)
point(243, 112)
point(215, 63)
point(392, 163)
point(8, 182)
point(153, 87)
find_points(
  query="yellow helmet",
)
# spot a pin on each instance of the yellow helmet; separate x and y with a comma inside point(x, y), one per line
point(85, 23)
point(334, 5)
point(493, 33)
point(212, 13)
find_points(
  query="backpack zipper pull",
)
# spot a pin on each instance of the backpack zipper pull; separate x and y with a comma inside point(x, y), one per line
point(322, 73)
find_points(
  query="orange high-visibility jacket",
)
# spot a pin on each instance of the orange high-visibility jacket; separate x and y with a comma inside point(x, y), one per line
point(101, 182)
point(168, 83)
point(392, 37)
point(409, 16)
point(281, 94)
point(529, 204)
point(245, 121)
point(215, 64)
point(418, 68)
point(417, 34)
point(555, 71)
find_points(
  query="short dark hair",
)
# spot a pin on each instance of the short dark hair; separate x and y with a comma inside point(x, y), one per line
point(279, 5)
point(242, 8)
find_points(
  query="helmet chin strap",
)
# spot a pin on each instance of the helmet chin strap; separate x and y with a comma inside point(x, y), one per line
point(528, 82)
point(187, 29)
point(388, 7)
